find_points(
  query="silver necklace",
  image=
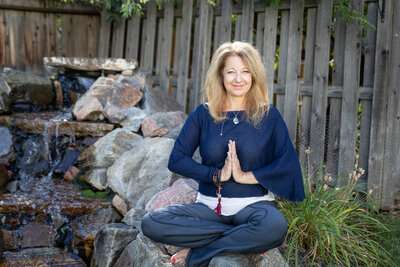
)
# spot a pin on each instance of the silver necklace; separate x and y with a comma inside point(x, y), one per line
point(235, 119)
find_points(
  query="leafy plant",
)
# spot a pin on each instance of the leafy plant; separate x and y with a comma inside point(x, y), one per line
point(333, 224)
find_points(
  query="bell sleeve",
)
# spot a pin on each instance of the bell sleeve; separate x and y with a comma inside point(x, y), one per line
point(282, 175)
point(180, 160)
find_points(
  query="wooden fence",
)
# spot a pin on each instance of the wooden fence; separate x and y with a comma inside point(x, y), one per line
point(335, 83)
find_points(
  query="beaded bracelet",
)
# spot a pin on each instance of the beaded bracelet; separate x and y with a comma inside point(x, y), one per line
point(218, 184)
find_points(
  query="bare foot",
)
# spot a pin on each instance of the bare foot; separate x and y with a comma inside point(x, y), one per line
point(180, 256)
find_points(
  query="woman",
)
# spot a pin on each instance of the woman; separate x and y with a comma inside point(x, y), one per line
point(247, 158)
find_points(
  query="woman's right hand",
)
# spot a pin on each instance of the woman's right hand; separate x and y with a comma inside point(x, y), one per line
point(226, 171)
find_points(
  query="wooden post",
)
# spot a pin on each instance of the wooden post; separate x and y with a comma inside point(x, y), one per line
point(118, 39)
point(293, 67)
point(305, 119)
point(269, 48)
point(132, 38)
point(247, 23)
point(149, 36)
point(104, 36)
point(166, 45)
point(351, 89)
point(320, 82)
point(185, 50)
point(283, 56)
point(226, 23)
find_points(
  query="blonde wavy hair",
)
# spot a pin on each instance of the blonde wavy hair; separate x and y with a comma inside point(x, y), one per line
point(214, 93)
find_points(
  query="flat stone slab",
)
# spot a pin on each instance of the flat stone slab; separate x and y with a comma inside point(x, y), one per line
point(54, 123)
point(41, 257)
point(91, 64)
point(50, 196)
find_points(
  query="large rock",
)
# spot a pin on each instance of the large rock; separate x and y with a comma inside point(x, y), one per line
point(161, 123)
point(27, 88)
point(4, 176)
point(6, 142)
point(54, 123)
point(109, 243)
point(5, 90)
point(103, 92)
point(141, 172)
point(97, 178)
point(272, 258)
point(107, 149)
point(149, 253)
point(86, 228)
point(182, 191)
point(91, 64)
point(9, 240)
point(156, 100)
point(127, 257)
point(133, 119)
point(38, 235)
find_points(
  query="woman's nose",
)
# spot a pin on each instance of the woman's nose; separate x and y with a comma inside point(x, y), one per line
point(238, 77)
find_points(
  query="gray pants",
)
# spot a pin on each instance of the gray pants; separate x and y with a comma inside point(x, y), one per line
point(253, 230)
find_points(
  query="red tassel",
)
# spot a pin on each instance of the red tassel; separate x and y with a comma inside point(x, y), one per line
point(218, 208)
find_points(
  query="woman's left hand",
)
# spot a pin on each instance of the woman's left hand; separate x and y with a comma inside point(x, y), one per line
point(238, 175)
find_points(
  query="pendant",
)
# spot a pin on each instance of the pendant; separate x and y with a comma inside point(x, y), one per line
point(235, 120)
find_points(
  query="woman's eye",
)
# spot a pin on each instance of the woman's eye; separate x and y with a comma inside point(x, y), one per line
point(246, 71)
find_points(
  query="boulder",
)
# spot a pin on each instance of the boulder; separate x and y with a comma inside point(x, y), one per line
point(110, 242)
point(9, 240)
point(120, 205)
point(149, 253)
point(127, 257)
point(174, 133)
point(114, 113)
point(6, 142)
point(133, 217)
point(4, 176)
point(5, 90)
point(97, 178)
point(160, 123)
point(27, 88)
point(103, 92)
point(91, 64)
point(87, 226)
point(156, 100)
point(107, 149)
point(182, 191)
point(38, 235)
point(133, 119)
point(141, 172)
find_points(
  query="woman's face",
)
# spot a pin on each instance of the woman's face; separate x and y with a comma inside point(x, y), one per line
point(236, 77)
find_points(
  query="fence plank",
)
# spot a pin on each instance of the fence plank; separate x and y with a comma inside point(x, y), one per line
point(118, 39)
point(202, 51)
point(177, 51)
point(260, 32)
point(184, 54)
point(366, 104)
point(217, 29)
point(238, 27)
point(160, 26)
point(149, 36)
point(226, 23)
point(105, 36)
point(166, 45)
point(335, 103)
point(283, 56)
point(348, 127)
point(320, 82)
point(133, 37)
point(247, 24)
point(391, 160)
point(269, 46)
point(305, 119)
point(2, 39)
point(293, 67)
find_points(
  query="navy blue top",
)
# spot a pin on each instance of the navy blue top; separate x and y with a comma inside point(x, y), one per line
point(266, 151)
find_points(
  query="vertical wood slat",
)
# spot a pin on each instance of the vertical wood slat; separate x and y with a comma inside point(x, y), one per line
point(166, 45)
point(392, 145)
point(305, 119)
point(202, 51)
point(160, 26)
point(105, 35)
point(2, 39)
point(118, 39)
point(283, 56)
point(270, 23)
point(217, 30)
point(335, 104)
point(247, 24)
point(238, 27)
point(293, 67)
point(368, 81)
point(185, 51)
point(195, 59)
point(226, 22)
point(177, 51)
point(149, 36)
point(348, 127)
point(260, 32)
point(320, 81)
point(132, 37)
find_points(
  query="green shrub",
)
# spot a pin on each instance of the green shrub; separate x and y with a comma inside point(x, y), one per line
point(333, 225)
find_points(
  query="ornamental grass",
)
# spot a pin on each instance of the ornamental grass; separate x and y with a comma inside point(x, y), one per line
point(334, 225)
